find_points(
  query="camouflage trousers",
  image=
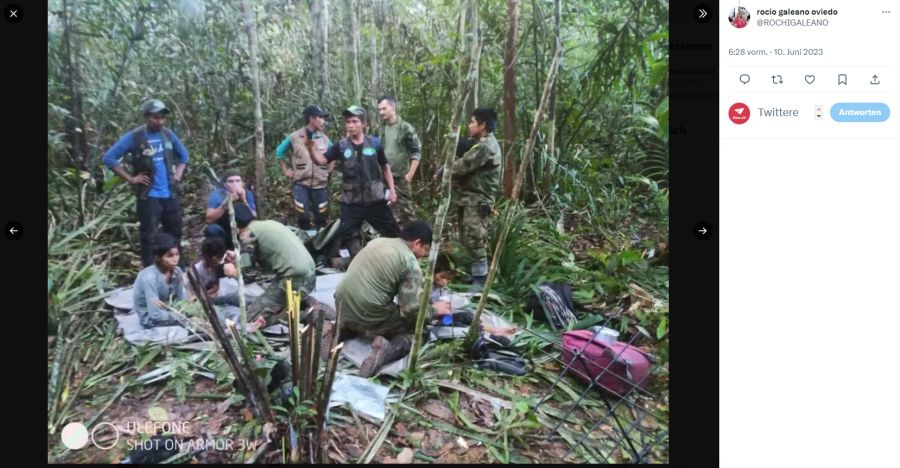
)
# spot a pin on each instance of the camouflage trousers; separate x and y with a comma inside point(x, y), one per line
point(273, 303)
point(399, 331)
point(474, 230)
point(404, 209)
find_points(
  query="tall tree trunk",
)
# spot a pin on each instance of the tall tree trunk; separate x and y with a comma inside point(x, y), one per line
point(250, 27)
point(538, 56)
point(320, 47)
point(550, 166)
point(376, 72)
point(509, 96)
point(354, 33)
point(75, 124)
point(472, 40)
point(386, 26)
point(380, 25)
point(531, 178)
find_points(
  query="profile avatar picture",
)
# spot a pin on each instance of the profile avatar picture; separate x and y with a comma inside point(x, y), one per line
point(739, 113)
point(739, 17)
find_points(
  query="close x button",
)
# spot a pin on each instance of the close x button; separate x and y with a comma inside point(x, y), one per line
point(12, 13)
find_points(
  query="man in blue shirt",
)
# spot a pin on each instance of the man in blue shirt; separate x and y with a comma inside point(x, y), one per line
point(219, 223)
point(158, 160)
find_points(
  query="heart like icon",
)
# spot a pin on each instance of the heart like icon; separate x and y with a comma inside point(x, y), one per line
point(810, 78)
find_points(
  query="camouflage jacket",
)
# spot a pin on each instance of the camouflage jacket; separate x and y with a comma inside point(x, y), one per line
point(477, 173)
point(405, 148)
point(384, 268)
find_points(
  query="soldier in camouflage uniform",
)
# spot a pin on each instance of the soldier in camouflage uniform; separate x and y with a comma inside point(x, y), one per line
point(476, 177)
point(273, 248)
point(403, 151)
point(309, 180)
point(384, 268)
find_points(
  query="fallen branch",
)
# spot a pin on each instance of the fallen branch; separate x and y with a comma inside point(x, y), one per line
point(380, 437)
point(324, 397)
point(230, 356)
point(53, 394)
point(94, 365)
point(115, 397)
point(257, 389)
point(325, 394)
point(259, 452)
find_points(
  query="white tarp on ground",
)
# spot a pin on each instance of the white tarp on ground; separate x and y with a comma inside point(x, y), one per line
point(134, 333)
point(363, 395)
point(122, 300)
point(325, 286)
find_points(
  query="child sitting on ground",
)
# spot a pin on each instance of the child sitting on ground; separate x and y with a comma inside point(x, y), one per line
point(211, 269)
point(159, 284)
point(443, 275)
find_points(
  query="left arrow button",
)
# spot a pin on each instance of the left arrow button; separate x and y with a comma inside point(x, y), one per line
point(13, 230)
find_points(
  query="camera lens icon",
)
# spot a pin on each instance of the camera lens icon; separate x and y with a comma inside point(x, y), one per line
point(75, 436)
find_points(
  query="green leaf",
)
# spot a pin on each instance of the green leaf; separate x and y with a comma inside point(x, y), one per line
point(149, 356)
point(629, 256)
point(658, 71)
point(661, 329)
point(657, 36)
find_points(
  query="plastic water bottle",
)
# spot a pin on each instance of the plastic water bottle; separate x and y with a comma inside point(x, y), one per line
point(605, 335)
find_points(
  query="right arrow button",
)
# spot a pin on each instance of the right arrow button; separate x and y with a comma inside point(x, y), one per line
point(703, 230)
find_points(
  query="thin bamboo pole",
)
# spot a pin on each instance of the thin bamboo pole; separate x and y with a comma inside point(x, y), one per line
point(514, 199)
point(440, 220)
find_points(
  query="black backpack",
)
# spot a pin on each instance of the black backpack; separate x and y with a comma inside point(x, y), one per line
point(552, 303)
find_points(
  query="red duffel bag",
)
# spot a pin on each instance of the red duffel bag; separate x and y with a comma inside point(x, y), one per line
point(616, 368)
